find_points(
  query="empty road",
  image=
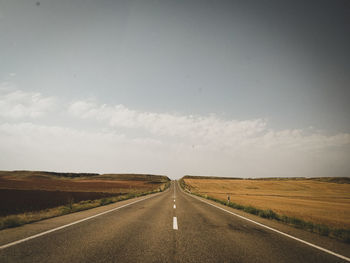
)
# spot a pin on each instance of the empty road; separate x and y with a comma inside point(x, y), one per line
point(167, 227)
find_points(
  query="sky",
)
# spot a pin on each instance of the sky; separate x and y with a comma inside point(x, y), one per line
point(231, 88)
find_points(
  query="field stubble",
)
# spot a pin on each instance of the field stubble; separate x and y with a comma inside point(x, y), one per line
point(314, 205)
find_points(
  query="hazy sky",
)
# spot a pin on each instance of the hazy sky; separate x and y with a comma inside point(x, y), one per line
point(228, 88)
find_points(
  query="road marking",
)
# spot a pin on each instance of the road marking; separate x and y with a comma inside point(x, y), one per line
point(277, 231)
point(174, 200)
point(70, 224)
point(175, 223)
point(174, 206)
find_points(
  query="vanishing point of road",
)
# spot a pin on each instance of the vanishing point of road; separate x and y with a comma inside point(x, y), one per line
point(171, 226)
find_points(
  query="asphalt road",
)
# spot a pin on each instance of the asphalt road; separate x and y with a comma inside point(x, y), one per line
point(146, 231)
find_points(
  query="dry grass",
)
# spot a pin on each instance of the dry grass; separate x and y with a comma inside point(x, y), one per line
point(315, 201)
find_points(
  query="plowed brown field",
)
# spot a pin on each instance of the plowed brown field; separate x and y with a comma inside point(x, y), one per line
point(81, 185)
point(26, 191)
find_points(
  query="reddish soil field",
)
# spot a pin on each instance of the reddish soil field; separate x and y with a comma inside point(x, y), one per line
point(28, 191)
point(20, 201)
point(81, 185)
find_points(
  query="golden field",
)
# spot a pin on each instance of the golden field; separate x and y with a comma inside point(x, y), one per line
point(313, 200)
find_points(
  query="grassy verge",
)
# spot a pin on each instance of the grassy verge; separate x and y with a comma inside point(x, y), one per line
point(71, 207)
point(340, 234)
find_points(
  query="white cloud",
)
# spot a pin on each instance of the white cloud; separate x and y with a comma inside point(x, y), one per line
point(119, 139)
point(204, 129)
point(207, 130)
point(33, 146)
point(211, 145)
point(19, 104)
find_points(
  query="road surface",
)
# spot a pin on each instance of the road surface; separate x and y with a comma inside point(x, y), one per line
point(172, 226)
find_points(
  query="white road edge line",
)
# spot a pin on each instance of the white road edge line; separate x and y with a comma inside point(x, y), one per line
point(277, 231)
point(175, 223)
point(174, 206)
point(70, 224)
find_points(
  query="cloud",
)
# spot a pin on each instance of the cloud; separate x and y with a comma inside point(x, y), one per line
point(43, 147)
point(213, 145)
point(33, 146)
point(18, 104)
point(207, 130)
point(114, 138)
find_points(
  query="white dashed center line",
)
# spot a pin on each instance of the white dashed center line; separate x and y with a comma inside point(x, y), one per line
point(174, 206)
point(175, 223)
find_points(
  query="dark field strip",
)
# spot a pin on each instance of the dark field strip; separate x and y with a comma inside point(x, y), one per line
point(20, 201)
